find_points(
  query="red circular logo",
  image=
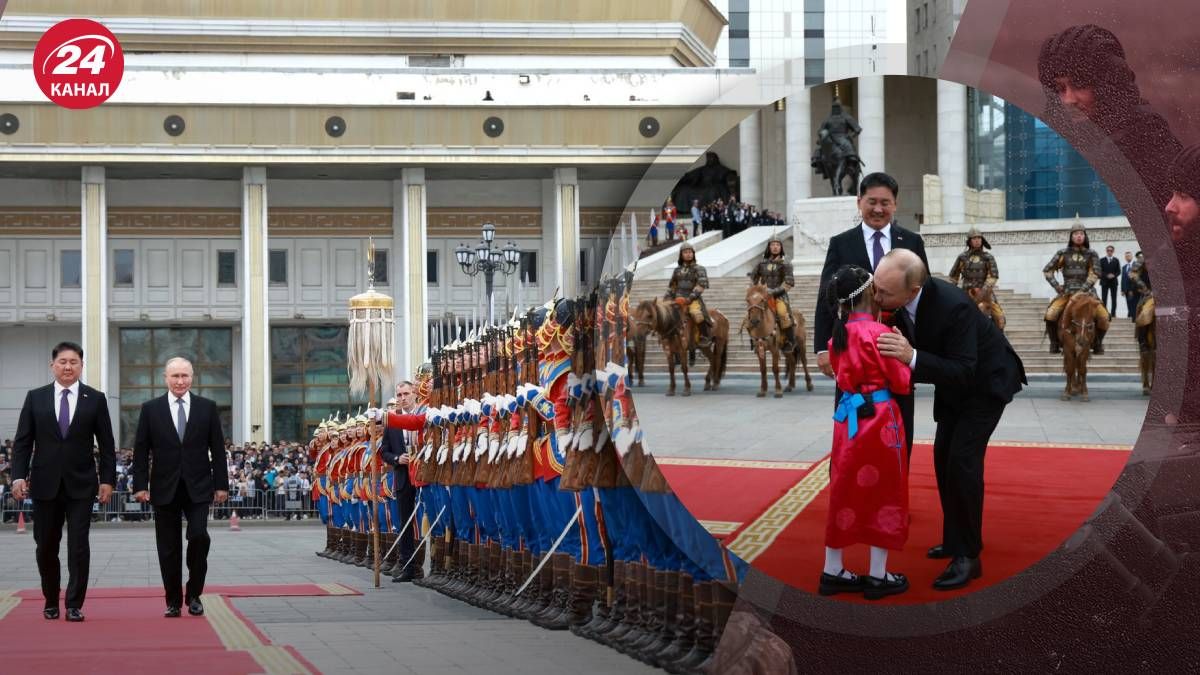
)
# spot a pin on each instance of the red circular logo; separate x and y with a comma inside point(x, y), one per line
point(78, 63)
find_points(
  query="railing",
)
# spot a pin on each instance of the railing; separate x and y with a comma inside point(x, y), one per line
point(122, 507)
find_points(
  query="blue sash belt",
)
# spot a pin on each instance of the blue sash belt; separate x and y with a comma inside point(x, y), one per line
point(847, 408)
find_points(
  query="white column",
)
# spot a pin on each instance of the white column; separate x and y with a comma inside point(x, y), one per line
point(256, 334)
point(869, 113)
point(94, 277)
point(566, 222)
point(410, 229)
point(798, 139)
point(750, 160)
point(952, 149)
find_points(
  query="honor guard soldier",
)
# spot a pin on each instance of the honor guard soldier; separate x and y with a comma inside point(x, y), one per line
point(1080, 267)
point(688, 283)
point(975, 268)
point(775, 272)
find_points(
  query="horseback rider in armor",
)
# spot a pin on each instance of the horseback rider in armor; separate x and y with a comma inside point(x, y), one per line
point(1080, 267)
point(1139, 276)
point(977, 269)
point(840, 126)
point(689, 281)
point(775, 272)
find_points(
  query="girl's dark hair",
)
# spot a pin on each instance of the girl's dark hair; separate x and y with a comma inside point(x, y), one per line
point(845, 281)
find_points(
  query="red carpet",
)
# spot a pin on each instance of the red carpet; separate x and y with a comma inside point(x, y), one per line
point(725, 494)
point(1035, 498)
point(124, 632)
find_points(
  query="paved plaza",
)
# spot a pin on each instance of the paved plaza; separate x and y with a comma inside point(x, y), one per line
point(733, 424)
point(398, 629)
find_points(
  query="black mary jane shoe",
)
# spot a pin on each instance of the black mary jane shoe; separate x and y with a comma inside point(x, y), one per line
point(74, 615)
point(172, 612)
point(892, 584)
point(832, 584)
point(50, 613)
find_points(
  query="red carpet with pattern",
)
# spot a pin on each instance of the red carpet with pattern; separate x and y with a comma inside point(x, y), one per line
point(1035, 498)
point(125, 632)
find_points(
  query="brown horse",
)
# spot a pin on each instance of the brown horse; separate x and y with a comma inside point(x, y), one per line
point(635, 350)
point(677, 333)
point(1077, 332)
point(984, 298)
point(762, 324)
point(1144, 330)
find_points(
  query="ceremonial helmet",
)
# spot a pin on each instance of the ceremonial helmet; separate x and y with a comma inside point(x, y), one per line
point(836, 107)
point(774, 238)
point(686, 246)
point(974, 232)
point(1078, 226)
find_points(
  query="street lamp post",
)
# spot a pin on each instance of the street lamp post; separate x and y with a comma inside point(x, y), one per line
point(487, 260)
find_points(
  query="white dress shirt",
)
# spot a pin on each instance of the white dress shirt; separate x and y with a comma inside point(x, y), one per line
point(187, 405)
point(72, 399)
point(869, 239)
point(911, 308)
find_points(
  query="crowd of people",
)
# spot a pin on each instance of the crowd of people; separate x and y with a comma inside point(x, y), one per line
point(265, 481)
point(728, 216)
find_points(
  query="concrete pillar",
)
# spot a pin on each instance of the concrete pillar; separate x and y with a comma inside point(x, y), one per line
point(798, 139)
point(410, 229)
point(952, 149)
point(869, 112)
point(94, 277)
point(566, 214)
point(256, 334)
point(750, 159)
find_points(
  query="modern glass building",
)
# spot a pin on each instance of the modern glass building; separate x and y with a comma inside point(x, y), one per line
point(1041, 174)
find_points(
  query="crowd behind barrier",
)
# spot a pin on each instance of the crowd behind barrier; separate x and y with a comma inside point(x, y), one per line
point(265, 482)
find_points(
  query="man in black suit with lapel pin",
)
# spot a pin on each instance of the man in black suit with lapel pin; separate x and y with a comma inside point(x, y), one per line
point(55, 462)
point(394, 450)
point(865, 245)
point(949, 343)
point(180, 452)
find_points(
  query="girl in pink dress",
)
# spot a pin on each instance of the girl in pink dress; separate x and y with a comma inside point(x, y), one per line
point(868, 468)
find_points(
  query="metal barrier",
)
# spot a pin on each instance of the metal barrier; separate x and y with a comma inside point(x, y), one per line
point(122, 507)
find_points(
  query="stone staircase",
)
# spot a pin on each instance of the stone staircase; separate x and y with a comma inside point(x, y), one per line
point(1025, 328)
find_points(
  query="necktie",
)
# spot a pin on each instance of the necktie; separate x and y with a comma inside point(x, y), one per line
point(64, 413)
point(180, 419)
point(876, 249)
point(905, 322)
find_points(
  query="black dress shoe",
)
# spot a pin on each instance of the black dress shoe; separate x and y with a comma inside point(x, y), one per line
point(404, 577)
point(937, 552)
point(172, 612)
point(195, 608)
point(832, 584)
point(893, 584)
point(74, 614)
point(958, 573)
point(50, 613)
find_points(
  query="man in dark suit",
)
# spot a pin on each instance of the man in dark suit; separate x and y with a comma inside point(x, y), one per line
point(865, 245)
point(950, 344)
point(179, 467)
point(394, 451)
point(1127, 289)
point(55, 461)
point(1110, 273)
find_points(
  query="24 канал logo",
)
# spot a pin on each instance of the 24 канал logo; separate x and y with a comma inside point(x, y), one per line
point(78, 63)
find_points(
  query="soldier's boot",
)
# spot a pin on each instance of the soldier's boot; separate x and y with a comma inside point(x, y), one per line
point(684, 637)
point(416, 568)
point(653, 613)
point(506, 586)
point(339, 550)
point(520, 604)
point(544, 583)
point(489, 564)
point(1052, 333)
point(1098, 345)
point(619, 601)
point(324, 553)
point(349, 545)
point(704, 643)
point(602, 607)
point(473, 573)
point(585, 588)
point(390, 551)
point(436, 545)
point(365, 550)
point(455, 569)
point(496, 585)
point(466, 561)
point(723, 599)
point(669, 621)
point(704, 341)
point(552, 617)
point(631, 618)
